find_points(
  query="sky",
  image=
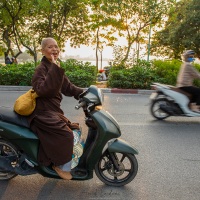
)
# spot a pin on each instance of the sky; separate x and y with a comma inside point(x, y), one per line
point(85, 51)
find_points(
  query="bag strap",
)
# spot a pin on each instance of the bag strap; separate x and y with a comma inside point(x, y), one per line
point(34, 94)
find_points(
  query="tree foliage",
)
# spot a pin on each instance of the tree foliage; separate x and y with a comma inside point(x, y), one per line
point(132, 18)
point(12, 16)
point(181, 30)
point(25, 23)
point(101, 34)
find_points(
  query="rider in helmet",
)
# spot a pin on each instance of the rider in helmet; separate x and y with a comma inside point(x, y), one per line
point(188, 56)
point(186, 76)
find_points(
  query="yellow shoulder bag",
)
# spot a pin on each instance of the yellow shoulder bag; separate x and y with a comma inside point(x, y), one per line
point(25, 104)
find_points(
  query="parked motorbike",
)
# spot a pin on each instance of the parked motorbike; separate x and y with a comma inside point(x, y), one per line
point(169, 101)
point(101, 76)
point(111, 158)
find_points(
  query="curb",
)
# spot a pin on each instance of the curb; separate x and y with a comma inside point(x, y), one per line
point(126, 91)
point(105, 90)
point(14, 88)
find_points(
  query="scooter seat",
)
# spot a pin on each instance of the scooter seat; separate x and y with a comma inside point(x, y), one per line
point(9, 115)
point(181, 91)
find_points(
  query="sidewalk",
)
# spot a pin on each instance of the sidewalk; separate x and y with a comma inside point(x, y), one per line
point(105, 90)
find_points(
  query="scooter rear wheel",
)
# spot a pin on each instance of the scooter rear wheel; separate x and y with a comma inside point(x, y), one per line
point(156, 111)
point(124, 173)
point(7, 150)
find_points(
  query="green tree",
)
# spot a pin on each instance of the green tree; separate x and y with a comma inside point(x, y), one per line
point(11, 13)
point(181, 30)
point(100, 34)
point(60, 19)
point(132, 18)
point(26, 23)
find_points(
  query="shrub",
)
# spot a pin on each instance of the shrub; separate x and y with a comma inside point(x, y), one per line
point(139, 76)
point(197, 81)
point(20, 74)
point(167, 70)
point(79, 73)
point(81, 78)
point(144, 73)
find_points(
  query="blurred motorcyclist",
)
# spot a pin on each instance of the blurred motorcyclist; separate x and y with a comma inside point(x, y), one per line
point(186, 76)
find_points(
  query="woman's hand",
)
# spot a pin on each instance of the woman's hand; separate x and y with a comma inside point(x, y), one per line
point(55, 61)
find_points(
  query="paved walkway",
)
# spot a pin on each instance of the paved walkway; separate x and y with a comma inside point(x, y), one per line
point(105, 90)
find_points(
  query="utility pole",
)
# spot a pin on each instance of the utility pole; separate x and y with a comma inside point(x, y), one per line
point(149, 42)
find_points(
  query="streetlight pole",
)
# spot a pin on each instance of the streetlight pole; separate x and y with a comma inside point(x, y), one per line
point(149, 42)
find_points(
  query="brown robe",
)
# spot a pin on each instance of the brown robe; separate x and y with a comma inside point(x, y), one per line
point(48, 120)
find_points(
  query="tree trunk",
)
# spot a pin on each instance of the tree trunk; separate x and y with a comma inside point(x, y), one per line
point(35, 58)
point(97, 49)
point(127, 53)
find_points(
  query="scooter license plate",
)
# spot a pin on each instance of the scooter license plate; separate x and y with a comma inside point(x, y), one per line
point(153, 95)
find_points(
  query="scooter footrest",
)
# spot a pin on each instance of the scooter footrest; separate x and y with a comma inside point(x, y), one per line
point(78, 173)
point(22, 172)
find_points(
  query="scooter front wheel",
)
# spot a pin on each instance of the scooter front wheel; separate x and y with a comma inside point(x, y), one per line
point(156, 111)
point(116, 169)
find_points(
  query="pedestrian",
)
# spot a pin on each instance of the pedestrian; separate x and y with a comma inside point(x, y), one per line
point(54, 130)
point(102, 74)
point(14, 60)
point(7, 60)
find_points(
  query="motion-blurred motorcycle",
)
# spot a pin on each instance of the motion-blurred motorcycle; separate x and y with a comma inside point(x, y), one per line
point(168, 101)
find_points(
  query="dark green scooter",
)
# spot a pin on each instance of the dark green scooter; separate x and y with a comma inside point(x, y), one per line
point(112, 159)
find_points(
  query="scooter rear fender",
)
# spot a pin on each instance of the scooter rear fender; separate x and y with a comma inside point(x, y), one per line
point(121, 146)
point(23, 137)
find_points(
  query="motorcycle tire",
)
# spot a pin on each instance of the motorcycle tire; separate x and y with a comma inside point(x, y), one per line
point(8, 150)
point(107, 172)
point(156, 111)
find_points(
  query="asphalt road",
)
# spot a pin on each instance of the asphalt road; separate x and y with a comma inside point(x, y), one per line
point(169, 157)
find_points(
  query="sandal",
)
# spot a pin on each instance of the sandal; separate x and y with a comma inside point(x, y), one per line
point(63, 174)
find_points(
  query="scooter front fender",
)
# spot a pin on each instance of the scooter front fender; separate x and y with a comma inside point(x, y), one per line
point(121, 146)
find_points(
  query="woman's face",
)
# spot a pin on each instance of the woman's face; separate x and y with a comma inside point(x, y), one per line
point(51, 49)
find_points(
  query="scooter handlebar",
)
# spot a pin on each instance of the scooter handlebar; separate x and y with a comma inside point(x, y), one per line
point(80, 105)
